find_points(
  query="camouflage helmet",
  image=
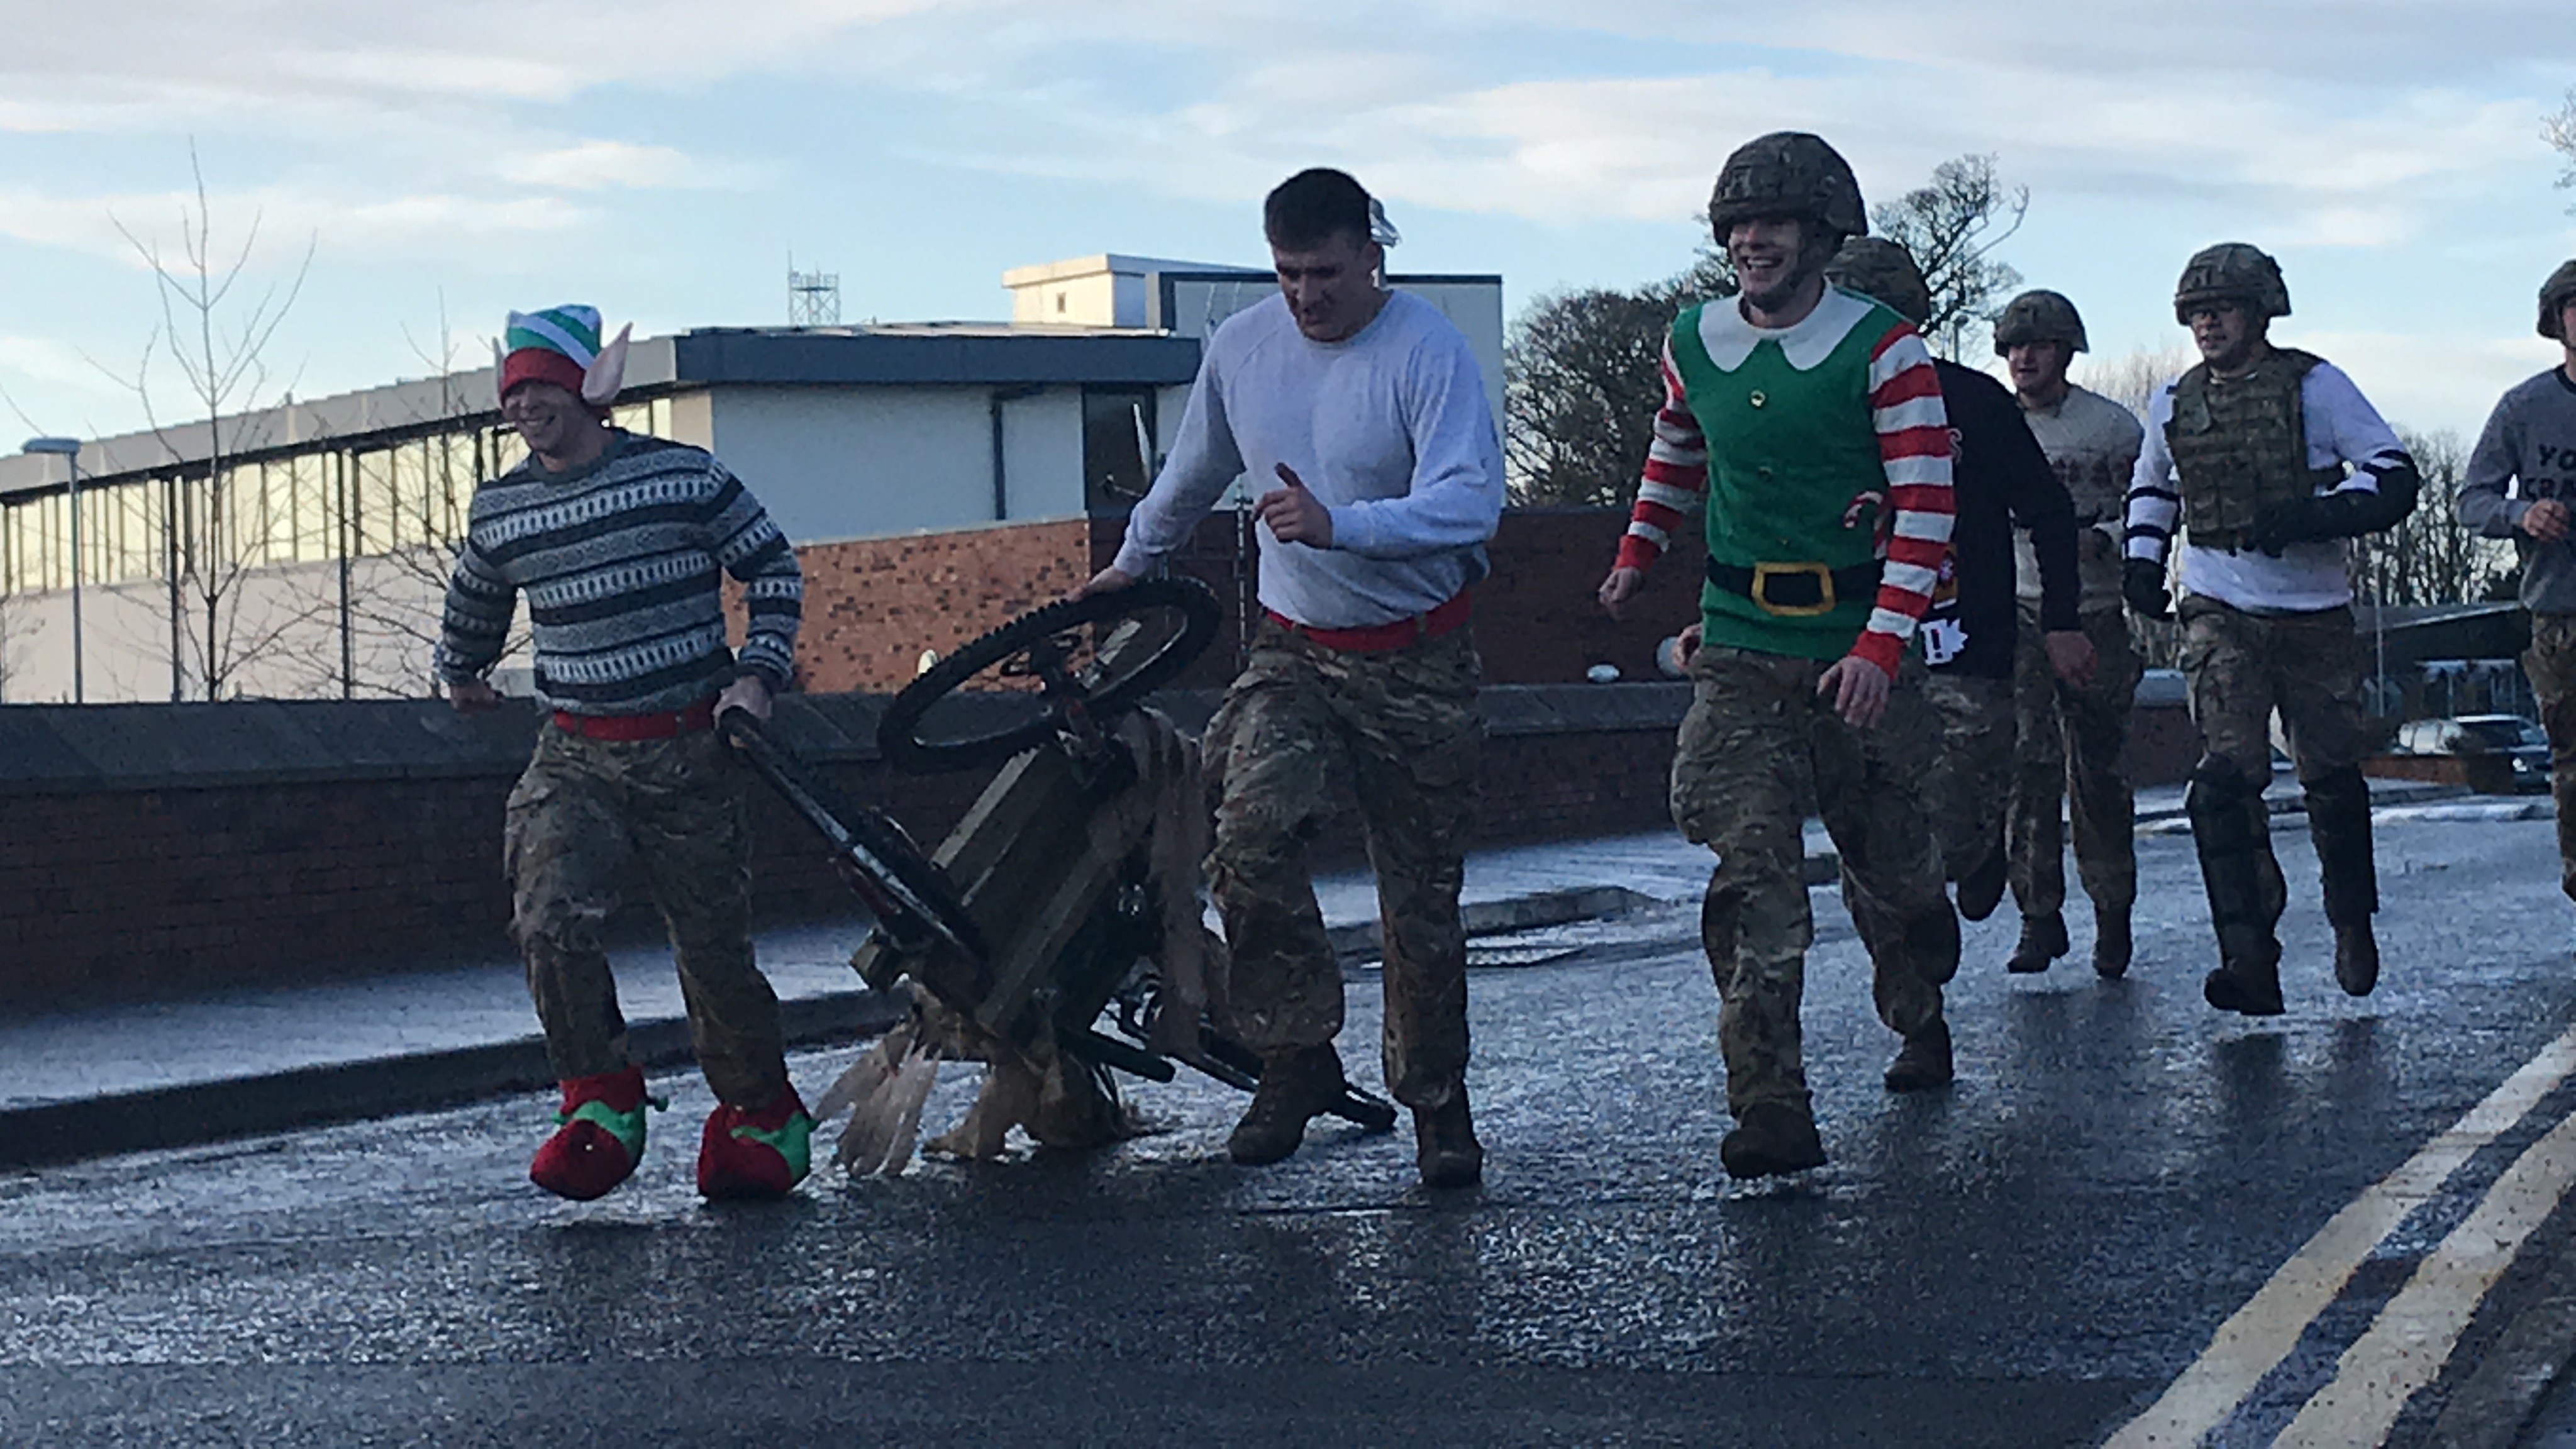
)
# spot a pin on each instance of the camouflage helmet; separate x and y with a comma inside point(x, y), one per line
point(1787, 173)
point(2231, 272)
point(1879, 268)
point(2555, 294)
point(2039, 316)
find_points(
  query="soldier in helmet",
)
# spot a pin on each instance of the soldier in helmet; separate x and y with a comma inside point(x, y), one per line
point(2003, 487)
point(2530, 443)
point(2248, 452)
point(2072, 731)
point(1806, 423)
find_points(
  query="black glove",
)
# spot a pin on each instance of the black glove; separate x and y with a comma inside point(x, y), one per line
point(2345, 513)
point(2142, 583)
point(2283, 524)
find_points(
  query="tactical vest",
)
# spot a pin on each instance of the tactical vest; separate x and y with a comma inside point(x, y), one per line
point(2240, 445)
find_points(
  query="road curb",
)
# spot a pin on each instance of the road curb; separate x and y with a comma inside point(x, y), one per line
point(2290, 802)
point(194, 1113)
point(1359, 939)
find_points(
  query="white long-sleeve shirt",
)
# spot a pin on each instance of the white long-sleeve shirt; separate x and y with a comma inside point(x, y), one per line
point(1388, 428)
point(2342, 427)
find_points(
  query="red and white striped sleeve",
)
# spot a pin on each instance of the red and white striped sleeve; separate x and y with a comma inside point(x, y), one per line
point(1676, 479)
point(1914, 447)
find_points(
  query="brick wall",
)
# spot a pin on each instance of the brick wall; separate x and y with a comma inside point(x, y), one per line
point(152, 851)
point(872, 605)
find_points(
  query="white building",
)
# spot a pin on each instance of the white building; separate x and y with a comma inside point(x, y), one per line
point(313, 564)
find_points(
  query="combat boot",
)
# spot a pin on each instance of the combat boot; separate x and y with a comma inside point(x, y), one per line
point(2111, 944)
point(2248, 978)
point(2043, 940)
point(1445, 1145)
point(1923, 1063)
point(1771, 1138)
point(2356, 958)
point(1297, 1086)
point(599, 1136)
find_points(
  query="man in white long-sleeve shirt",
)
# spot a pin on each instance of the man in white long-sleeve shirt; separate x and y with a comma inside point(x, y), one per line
point(1360, 412)
point(2248, 452)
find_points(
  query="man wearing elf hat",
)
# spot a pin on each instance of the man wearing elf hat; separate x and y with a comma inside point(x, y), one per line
point(619, 543)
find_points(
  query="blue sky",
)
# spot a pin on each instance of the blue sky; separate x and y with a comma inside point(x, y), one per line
point(661, 159)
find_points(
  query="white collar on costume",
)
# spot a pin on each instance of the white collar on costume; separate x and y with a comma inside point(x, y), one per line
point(1729, 339)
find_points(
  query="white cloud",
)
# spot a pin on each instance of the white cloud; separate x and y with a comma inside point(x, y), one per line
point(593, 165)
point(2432, 380)
point(454, 129)
point(52, 361)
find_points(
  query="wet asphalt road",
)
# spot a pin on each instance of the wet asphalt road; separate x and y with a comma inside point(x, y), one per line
point(2026, 1260)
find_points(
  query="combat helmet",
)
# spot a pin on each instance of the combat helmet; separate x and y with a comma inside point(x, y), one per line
point(1879, 268)
point(2555, 294)
point(1787, 173)
point(2039, 316)
point(2231, 272)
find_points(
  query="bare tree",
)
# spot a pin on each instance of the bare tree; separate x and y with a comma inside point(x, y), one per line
point(396, 606)
point(2559, 130)
point(1581, 375)
point(218, 345)
point(2132, 380)
point(2428, 558)
point(1952, 228)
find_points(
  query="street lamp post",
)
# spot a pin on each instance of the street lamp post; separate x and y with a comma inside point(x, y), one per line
point(68, 449)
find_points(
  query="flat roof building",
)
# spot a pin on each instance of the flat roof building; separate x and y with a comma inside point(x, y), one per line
point(311, 561)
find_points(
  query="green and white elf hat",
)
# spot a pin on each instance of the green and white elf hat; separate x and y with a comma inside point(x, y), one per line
point(561, 345)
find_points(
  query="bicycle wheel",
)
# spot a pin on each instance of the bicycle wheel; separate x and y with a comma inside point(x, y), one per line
point(1029, 680)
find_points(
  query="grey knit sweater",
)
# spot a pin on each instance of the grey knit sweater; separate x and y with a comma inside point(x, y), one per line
point(2530, 443)
point(621, 563)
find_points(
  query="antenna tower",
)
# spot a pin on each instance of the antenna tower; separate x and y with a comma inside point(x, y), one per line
point(813, 298)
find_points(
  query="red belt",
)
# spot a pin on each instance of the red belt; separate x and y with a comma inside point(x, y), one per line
point(672, 724)
point(1442, 619)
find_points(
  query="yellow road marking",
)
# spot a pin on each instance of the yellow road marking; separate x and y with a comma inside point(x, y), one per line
point(2413, 1336)
point(2262, 1333)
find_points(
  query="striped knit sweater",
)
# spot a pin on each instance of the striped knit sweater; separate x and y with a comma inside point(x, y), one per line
point(1768, 408)
point(619, 560)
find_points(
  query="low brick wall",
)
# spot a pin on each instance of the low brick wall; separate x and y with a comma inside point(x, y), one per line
point(157, 850)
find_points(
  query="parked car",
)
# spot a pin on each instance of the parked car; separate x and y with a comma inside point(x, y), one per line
point(2524, 742)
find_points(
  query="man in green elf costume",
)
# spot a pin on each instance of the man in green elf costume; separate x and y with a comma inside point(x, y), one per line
point(1806, 423)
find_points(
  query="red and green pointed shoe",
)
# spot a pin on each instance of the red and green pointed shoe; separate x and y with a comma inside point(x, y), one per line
point(755, 1156)
point(599, 1137)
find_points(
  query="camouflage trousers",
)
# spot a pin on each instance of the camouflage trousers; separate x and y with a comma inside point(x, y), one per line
point(587, 816)
point(1756, 747)
point(1970, 779)
point(2551, 664)
point(2241, 667)
point(1401, 727)
point(2070, 738)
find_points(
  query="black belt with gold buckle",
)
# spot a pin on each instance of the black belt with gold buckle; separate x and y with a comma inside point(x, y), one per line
point(1795, 590)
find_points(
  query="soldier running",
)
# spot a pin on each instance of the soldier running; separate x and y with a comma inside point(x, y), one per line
point(2072, 731)
point(1361, 414)
point(2259, 437)
point(1807, 422)
point(2530, 443)
point(620, 543)
point(2003, 488)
